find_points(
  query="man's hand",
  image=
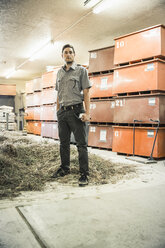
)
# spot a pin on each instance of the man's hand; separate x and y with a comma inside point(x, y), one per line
point(85, 117)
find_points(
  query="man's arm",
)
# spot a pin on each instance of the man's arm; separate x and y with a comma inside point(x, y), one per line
point(86, 115)
point(58, 105)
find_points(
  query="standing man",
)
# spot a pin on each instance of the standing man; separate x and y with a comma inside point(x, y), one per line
point(72, 81)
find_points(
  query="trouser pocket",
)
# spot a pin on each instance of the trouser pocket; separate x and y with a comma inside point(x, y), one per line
point(77, 115)
point(78, 111)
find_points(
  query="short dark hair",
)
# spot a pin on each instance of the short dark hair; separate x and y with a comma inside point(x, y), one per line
point(68, 45)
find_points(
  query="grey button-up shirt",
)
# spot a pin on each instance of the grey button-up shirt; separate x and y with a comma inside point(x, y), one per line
point(70, 84)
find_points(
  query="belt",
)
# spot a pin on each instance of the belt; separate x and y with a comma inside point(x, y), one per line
point(71, 106)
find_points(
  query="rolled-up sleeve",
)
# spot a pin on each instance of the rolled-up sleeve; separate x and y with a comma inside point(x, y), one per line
point(57, 78)
point(85, 82)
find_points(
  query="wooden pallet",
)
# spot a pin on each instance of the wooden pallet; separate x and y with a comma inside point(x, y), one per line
point(102, 98)
point(143, 60)
point(140, 93)
point(100, 73)
point(100, 148)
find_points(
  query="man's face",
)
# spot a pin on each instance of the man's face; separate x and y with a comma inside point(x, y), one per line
point(68, 55)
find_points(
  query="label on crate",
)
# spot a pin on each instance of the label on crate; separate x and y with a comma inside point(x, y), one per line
point(43, 124)
point(112, 104)
point(104, 85)
point(93, 55)
point(120, 44)
point(116, 133)
point(92, 129)
point(54, 126)
point(120, 103)
point(151, 101)
point(92, 106)
point(116, 74)
point(36, 124)
point(91, 81)
point(103, 134)
point(150, 133)
point(149, 67)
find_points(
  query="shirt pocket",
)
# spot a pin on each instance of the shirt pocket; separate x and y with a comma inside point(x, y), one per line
point(74, 83)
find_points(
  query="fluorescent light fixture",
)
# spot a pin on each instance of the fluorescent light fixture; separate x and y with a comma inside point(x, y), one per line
point(10, 73)
point(100, 7)
point(91, 3)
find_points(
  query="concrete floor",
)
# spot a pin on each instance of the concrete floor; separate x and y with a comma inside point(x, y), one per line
point(130, 213)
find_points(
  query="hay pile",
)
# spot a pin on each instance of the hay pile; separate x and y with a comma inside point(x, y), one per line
point(27, 165)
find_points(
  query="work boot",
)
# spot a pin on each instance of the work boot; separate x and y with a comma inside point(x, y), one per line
point(83, 180)
point(60, 173)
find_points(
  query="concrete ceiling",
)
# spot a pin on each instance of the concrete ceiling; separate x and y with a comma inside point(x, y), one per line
point(25, 25)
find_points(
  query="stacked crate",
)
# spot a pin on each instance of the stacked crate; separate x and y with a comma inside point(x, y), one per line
point(49, 126)
point(41, 105)
point(140, 88)
point(7, 118)
point(33, 103)
point(7, 89)
point(102, 103)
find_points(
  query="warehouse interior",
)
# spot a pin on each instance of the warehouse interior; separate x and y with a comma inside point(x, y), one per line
point(122, 46)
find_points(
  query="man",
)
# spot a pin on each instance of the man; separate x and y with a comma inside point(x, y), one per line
point(72, 115)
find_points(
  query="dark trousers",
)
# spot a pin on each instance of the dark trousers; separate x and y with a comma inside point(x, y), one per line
point(68, 121)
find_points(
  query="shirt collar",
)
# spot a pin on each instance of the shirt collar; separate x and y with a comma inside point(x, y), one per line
point(73, 66)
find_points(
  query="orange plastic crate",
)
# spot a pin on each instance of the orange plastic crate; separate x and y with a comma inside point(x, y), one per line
point(102, 110)
point(49, 79)
point(29, 113)
point(144, 138)
point(142, 44)
point(37, 98)
point(100, 136)
point(37, 127)
point(49, 96)
point(37, 84)
point(101, 59)
point(37, 113)
point(141, 107)
point(101, 86)
point(47, 129)
point(145, 76)
point(48, 113)
point(30, 127)
point(34, 127)
point(55, 131)
point(8, 89)
point(29, 100)
point(29, 87)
